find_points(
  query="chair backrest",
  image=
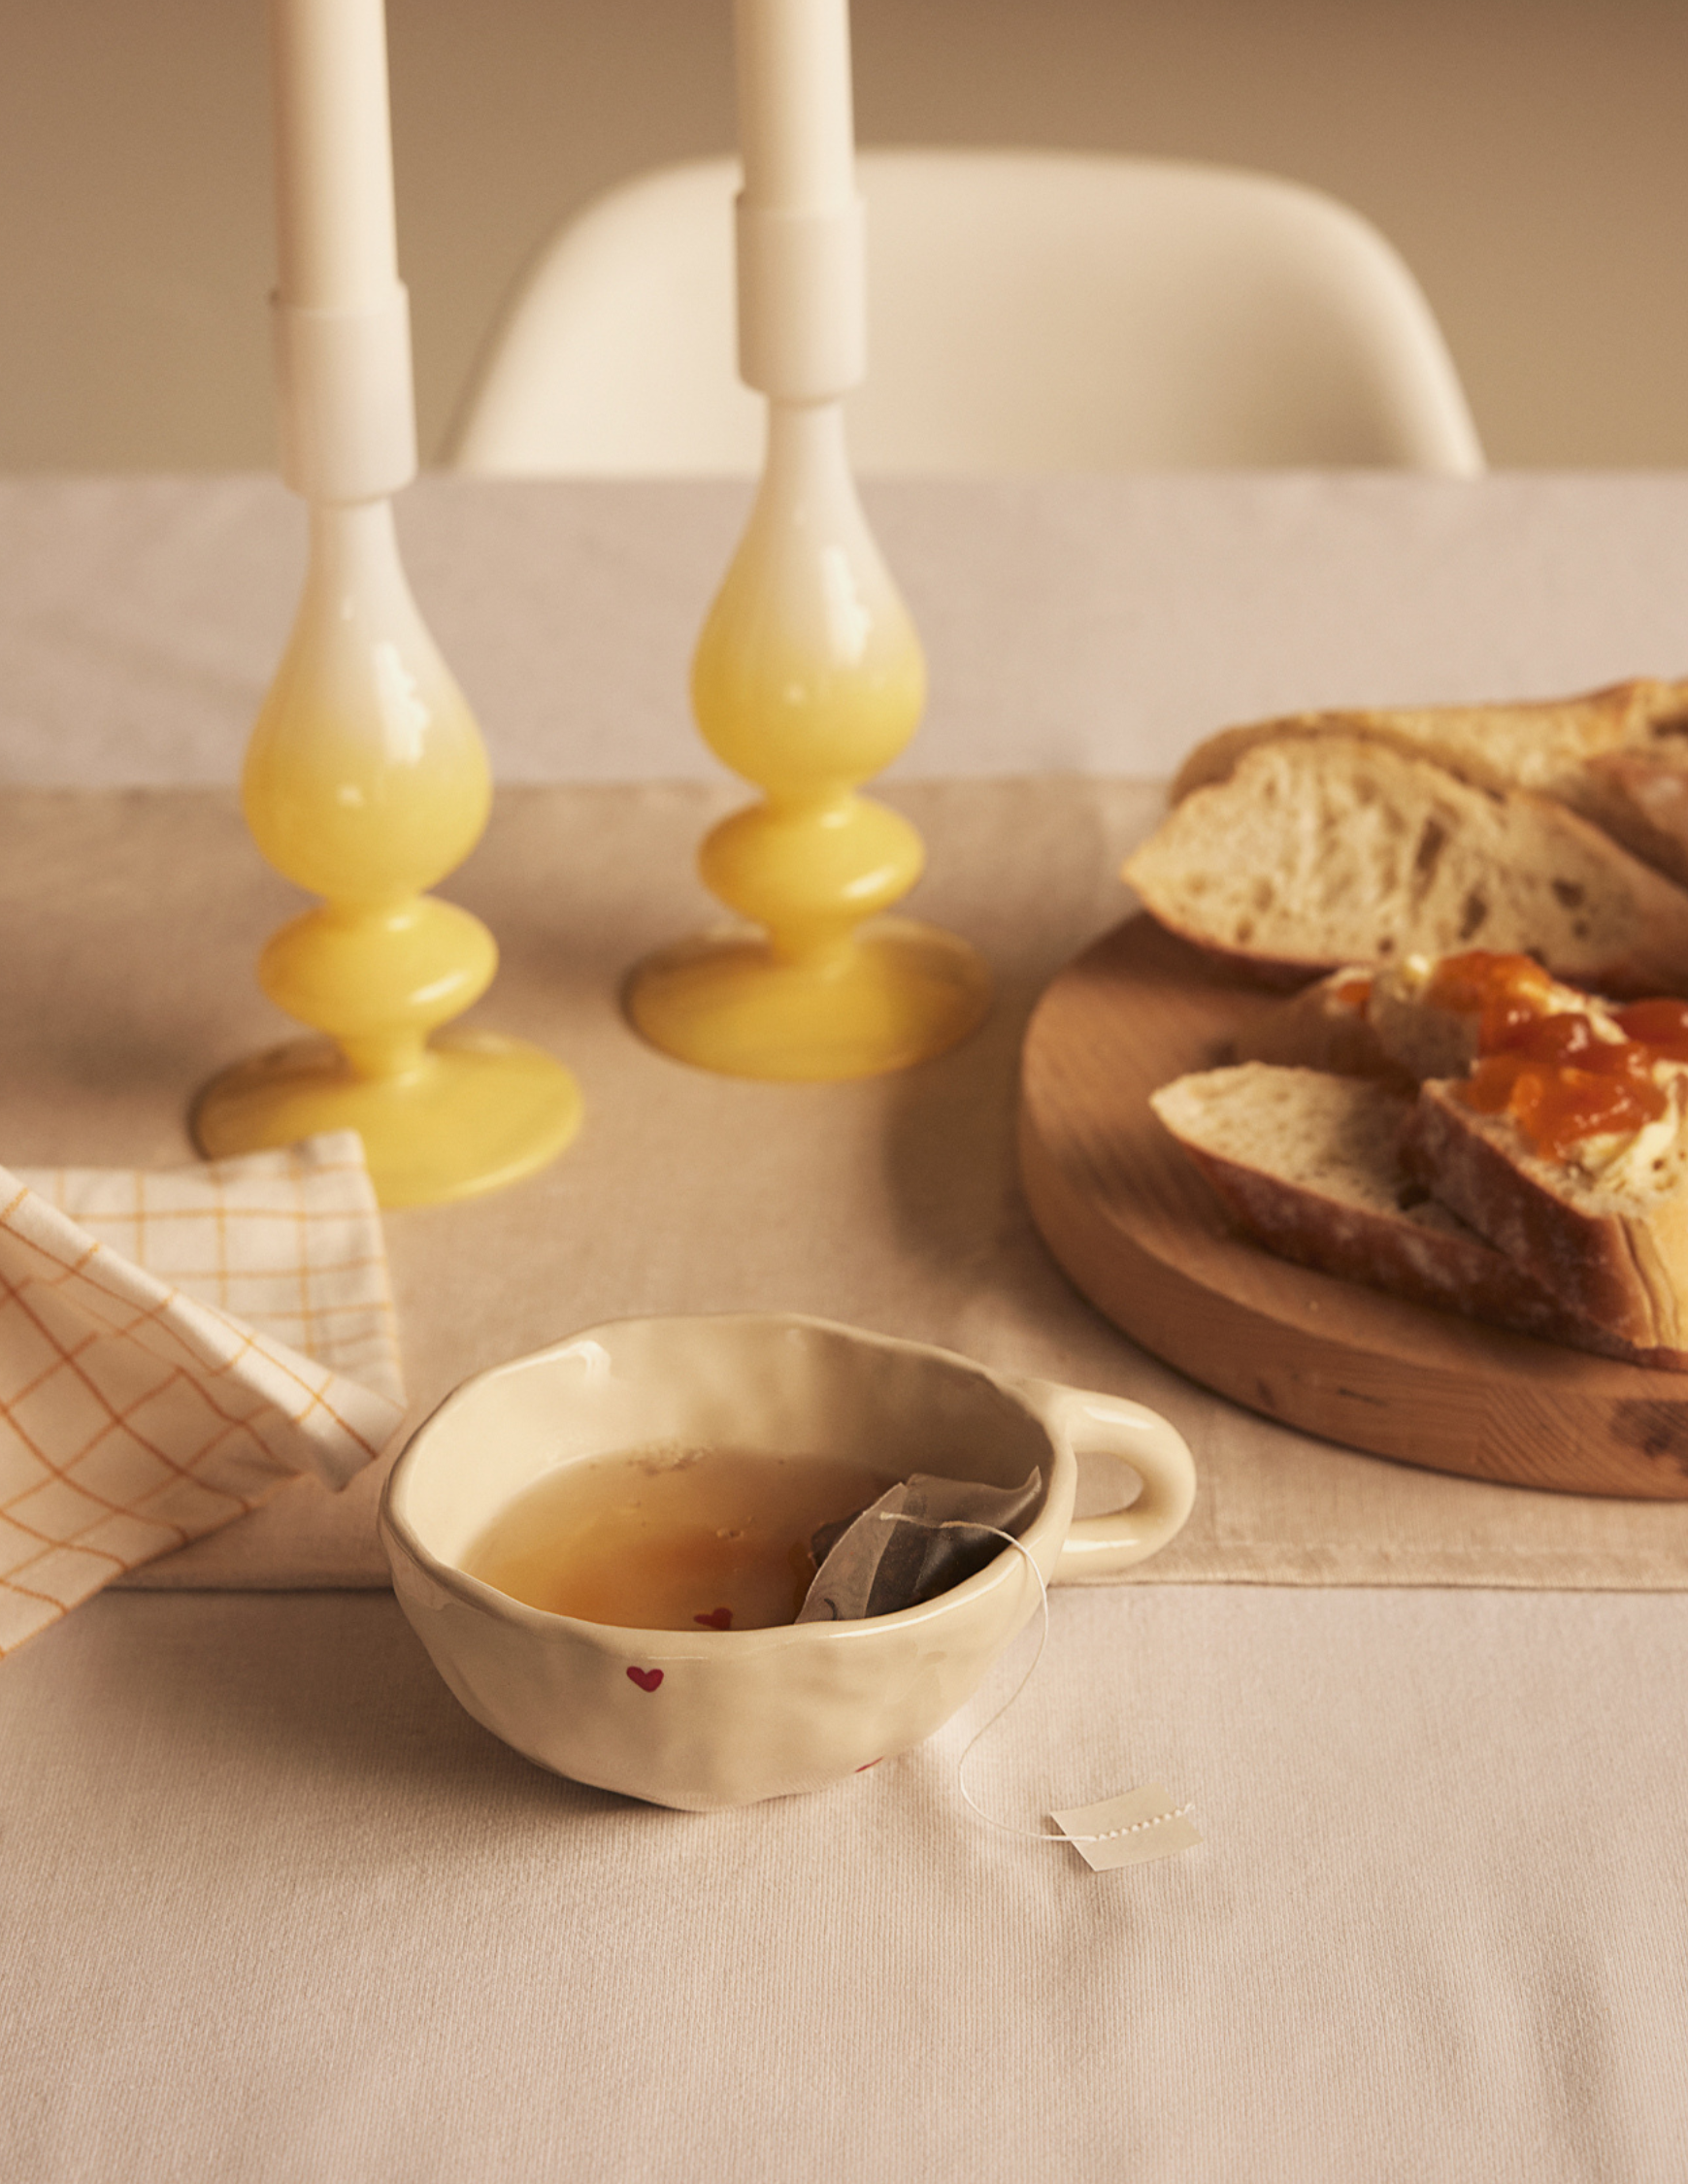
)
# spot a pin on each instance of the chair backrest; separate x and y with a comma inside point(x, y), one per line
point(1027, 311)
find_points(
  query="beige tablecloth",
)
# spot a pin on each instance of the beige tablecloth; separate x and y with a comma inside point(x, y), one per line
point(891, 1203)
point(276, 1912)
point(1095, 625)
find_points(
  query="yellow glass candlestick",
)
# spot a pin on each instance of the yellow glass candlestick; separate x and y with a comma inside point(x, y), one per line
point(366, 782)
point(809, 680)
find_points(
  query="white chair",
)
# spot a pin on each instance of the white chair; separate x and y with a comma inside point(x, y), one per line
point(1026, 311)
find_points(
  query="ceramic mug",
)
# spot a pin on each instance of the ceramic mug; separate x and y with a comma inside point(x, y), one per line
point(711, 1718)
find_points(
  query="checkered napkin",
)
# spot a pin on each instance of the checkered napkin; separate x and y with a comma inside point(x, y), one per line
point(174, 1346)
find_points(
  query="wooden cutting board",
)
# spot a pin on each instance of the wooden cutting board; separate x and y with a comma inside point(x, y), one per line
point(1145, 1237)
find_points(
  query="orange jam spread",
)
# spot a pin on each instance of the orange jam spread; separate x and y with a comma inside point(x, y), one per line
point(1550, 1069)
point(1352, 992)
point(1662, 1026)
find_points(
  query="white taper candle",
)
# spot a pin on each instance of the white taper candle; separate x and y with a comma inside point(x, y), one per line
point(795, 131)
point(342, 341)
point(334, 168)
point(801, 305)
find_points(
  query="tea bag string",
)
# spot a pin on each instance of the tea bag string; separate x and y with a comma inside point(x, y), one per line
point(1007, 1827)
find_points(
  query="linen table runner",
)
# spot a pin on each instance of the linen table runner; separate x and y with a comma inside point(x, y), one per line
point(893, 1203)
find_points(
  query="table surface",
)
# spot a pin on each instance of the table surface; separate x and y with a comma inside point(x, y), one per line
point(275, 1909)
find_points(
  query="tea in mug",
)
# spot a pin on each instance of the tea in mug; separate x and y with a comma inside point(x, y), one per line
point(663, 1540)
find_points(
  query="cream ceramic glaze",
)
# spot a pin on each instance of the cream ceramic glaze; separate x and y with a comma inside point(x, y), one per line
point(726, 1717)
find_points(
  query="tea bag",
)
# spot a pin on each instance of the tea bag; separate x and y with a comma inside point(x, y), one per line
point(869, 1565)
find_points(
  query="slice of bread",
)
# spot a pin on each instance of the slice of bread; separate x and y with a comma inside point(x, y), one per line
point(1325, 1026)
point(1435, 1038)
point(1574, 749)
point(1308, 1164)
point(1613, 1246)
point(1415, 1033)
point(1384, 1022)
point(1323, 850)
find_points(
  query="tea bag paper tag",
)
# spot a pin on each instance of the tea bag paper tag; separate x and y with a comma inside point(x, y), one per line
point(1129, 1829)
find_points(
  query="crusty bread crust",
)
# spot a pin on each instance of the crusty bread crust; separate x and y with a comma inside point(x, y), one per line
point(1620, 1262)
point(1337, 1205)
point(1562, 748)
point(1641, 799)
point(1321, 850)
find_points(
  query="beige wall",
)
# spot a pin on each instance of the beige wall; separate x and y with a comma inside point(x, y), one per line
point(1525, 155)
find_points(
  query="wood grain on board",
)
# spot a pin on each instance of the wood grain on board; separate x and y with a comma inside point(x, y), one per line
point(1139, 1232)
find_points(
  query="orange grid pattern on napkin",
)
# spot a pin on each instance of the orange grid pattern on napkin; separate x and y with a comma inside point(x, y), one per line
point(174, 1347)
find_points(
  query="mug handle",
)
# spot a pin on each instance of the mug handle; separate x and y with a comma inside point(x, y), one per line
point(1092, 1424)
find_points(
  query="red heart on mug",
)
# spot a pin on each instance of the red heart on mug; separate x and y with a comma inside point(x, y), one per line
point(647, 1679)
point(718, 1619)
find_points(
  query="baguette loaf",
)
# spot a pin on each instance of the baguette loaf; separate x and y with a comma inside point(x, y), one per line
point(1307, 1165)
point(1319, 849)
point(1619, 755)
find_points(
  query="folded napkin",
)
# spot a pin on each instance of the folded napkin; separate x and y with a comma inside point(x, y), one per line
point(174, 1346)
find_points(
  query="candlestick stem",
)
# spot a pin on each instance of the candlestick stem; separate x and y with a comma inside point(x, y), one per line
point(808, 679)
point(365, 783)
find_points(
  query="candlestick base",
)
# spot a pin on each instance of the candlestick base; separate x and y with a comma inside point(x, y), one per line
point(894, 994)
point(480, 1112)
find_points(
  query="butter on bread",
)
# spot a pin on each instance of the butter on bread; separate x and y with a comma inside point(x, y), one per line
point(1386, 1021)
point(1402, 1023)
point(1317, 849)
point(1610, 1241)
point(1365, 1021)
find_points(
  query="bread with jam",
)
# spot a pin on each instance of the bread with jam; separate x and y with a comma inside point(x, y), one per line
point(1308, 1164)
point(1564, 1143)
point(1538, 1178)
